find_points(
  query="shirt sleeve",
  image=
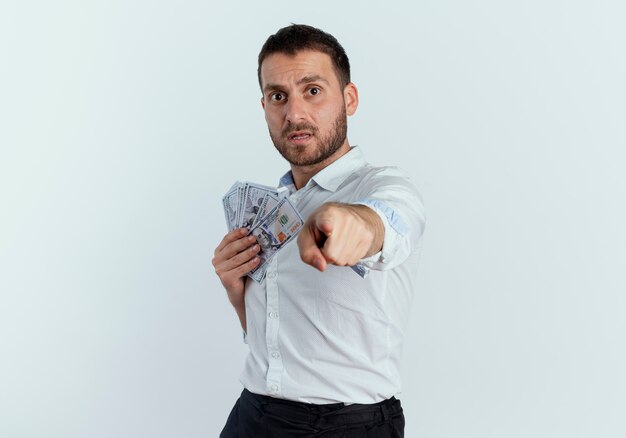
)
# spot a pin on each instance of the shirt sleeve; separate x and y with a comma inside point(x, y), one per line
point(396, 201)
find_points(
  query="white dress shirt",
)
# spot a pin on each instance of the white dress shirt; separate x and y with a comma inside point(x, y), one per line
point(328, 337)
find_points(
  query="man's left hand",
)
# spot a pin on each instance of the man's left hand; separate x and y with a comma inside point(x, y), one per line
point(340, 234)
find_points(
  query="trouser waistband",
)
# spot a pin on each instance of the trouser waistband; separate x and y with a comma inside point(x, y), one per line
point(326, 414)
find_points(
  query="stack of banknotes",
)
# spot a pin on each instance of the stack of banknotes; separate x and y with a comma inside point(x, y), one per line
point(267, 213)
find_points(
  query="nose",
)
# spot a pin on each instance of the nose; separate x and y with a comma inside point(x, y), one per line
point(295, 110)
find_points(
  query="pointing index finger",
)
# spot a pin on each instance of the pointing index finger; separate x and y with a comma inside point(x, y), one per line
point(309, 250)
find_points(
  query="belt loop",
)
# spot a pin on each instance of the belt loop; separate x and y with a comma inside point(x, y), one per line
point(383, 411)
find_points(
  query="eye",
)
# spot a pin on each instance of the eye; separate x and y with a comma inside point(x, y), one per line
point(277, 97)
point(314, 91)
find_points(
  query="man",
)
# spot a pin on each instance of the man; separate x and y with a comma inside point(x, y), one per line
point(324, 342)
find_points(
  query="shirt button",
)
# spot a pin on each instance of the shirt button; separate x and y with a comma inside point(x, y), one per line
point(272, 274)
point(273, 314)
point(275, 354)
point(274, 388)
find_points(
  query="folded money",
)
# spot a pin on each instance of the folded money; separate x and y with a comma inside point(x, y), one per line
point(273, 232)
point(267, 213)
point(243, 203)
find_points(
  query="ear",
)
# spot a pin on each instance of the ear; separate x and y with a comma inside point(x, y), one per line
point(263, 102)
point(351, 98)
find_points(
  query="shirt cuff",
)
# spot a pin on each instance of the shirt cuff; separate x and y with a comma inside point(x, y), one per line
point(396, 231)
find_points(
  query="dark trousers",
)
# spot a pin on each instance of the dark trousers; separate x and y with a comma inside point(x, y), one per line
point(259, 416)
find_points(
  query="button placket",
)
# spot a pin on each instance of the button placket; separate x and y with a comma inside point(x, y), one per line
point(275, 365)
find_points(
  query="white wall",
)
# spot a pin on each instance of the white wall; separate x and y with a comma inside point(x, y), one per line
point(122, 123)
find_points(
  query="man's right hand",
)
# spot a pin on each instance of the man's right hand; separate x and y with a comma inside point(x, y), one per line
point(234, 257)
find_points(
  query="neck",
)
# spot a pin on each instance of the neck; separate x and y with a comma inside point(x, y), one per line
point(302, 174)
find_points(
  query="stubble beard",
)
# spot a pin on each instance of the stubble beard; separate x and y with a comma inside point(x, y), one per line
point(326, 146)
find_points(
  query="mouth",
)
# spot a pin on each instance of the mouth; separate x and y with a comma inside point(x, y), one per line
point(300, 137)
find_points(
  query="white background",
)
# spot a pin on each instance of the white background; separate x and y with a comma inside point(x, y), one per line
point(122, 123)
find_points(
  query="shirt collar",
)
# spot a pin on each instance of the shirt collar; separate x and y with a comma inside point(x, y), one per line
point(333, 175)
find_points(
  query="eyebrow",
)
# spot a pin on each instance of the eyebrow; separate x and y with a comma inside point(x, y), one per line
point(303, 80)
point(311, 78)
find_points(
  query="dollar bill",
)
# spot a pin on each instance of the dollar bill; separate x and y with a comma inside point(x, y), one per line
point(241, 191)
point(230, 202)
point(277, 228)
point(269, 203)
point(254, 195)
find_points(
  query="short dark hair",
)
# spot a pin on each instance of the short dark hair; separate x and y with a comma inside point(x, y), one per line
point(297, 37)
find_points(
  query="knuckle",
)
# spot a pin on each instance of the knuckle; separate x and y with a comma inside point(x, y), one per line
point(330, 256)
point(306, 256)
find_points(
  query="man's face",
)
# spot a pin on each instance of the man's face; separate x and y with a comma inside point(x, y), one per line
point(305, 106)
